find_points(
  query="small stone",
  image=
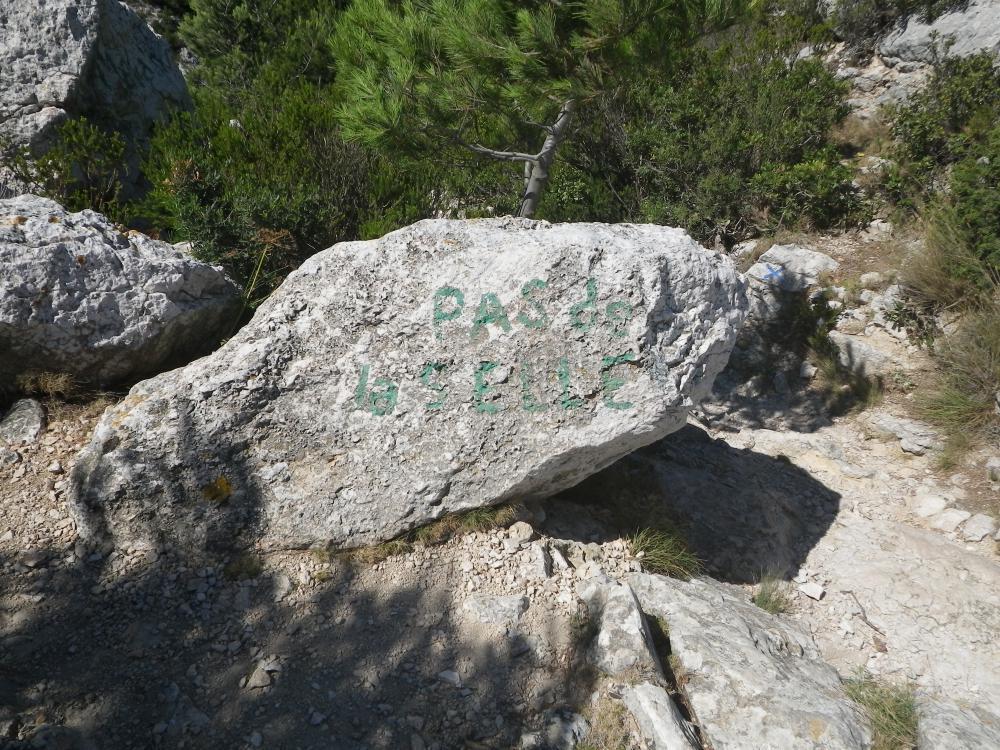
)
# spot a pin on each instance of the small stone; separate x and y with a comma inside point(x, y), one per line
point(260, 678)
point(417, 742)
point(949, 520)
point(993, 469)
point(780, 383)
point(34, 558)
point(316, 718)
point(521, 532)
point(256, 739)
point(55, 468)
point(282, 587)
point(451, 677)
point(813, 590)
point(978, 527)
point(9, 457)
point(23, 423)
point(926, 506)
point(807, 371)
point(871, 280)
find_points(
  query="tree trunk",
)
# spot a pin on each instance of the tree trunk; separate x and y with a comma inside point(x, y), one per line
point(537, 170)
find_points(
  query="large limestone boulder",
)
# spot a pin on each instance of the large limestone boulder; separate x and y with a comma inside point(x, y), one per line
point(969, 29)
point(78, 296)
point(63, 58)
point(753, 680)
point(446, 366)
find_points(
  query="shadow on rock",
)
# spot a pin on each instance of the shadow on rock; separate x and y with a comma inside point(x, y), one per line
point(743, 513)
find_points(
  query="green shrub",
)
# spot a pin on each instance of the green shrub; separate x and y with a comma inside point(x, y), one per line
point(817, 192)
point(83, 168)
point(258, 188)
point(944, 121)
point(736, 144)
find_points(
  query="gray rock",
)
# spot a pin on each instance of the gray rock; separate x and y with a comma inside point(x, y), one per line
point(521, 532)
point(943, 725)
point(971, 30)
point(623, 641)
point(496, 610)
point(978, 527)
point(752, 679)
point(78, 296)
point(993, 469)
point(446, 366)
point(451, 677)
point(860, 357)
point(24, 422)
point(791, 268)
point(871, 280)
point(659, 719)
point(562, 730)
point(949, 519)
point(914, 437)
point(66, 58)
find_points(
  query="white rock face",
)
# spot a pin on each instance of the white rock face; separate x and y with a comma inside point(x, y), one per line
point(973, 29)
point(61, 58)
point(78, 296)
point(659, 720)
point(753, 680)
point(446, 366)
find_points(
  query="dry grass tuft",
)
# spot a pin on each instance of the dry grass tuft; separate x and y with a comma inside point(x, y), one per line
point(773, 594)
point(610, 726)
point(663, 550)
point(890, 708)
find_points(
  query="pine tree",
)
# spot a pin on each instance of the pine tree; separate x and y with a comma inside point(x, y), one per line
point(496, 77)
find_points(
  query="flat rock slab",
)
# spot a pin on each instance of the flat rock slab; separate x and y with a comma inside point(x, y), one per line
point(79, 296)
point(753, 680)
point(447, 366)
point(24, 422)
point(943, 725)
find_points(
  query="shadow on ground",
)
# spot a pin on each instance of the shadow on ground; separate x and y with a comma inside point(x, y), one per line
point(743, 513)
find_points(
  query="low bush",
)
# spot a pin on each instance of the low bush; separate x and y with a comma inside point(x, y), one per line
point(737, 142)
point(83, 168)
point(963, 400)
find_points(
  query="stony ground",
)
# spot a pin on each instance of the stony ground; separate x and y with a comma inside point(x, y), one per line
point(480, 642)
point(477, 641)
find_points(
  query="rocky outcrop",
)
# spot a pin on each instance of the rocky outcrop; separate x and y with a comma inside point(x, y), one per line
point(752, 680)
point(78, 296)
point(966, 30)
point(65, 58)
point(446, 366)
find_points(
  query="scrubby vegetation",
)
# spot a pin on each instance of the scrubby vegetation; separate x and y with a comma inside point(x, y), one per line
point(773, 594)
point(704, 116)
point(662, 549)
point(890, 708)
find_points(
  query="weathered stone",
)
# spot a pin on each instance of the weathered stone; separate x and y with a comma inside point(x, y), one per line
point(78, 296)
point(858, 356)
point(449, 365)
point(623, 641)
point(24, 422)
point(753, 680)
point(496, 610)
point(914, 437)
point(791, 268)
point(978, 527)
point(949, 519)
point(967, 30)
point(659, 719)
point(943, 725)
point(97, 58)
